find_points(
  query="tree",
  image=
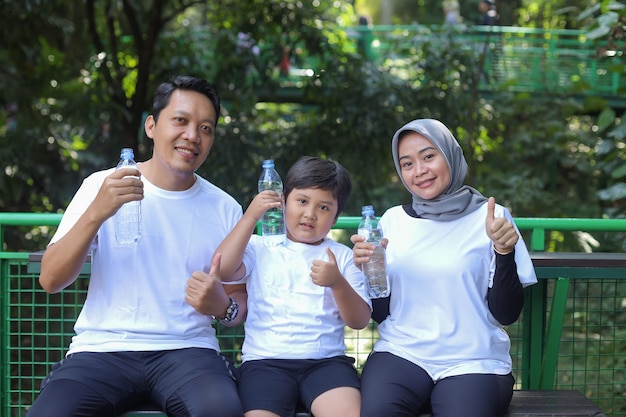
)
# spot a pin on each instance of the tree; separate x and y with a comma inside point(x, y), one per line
point(68, 105)
point(95, 64)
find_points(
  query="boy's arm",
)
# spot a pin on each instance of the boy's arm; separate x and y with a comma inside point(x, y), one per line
point(234, 245)
point(63, 260)
point(353, 309)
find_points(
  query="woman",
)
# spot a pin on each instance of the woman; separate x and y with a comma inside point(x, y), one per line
point(457, 268)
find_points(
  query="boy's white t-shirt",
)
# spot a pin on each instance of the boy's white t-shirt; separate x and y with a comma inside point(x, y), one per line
point(439, 275)
point(290, 317)
point(136, 297)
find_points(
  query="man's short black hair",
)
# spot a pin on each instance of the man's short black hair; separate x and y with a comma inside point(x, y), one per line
point(164, 92)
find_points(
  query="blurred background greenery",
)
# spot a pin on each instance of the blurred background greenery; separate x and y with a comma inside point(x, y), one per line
point(78, 75)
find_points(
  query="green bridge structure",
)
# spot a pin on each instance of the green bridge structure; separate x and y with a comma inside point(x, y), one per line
point(513, 59)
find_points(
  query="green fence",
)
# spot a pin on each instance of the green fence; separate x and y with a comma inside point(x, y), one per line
point(572, 333)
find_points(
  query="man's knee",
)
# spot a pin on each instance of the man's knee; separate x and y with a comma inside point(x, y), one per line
point(200, 399)
point(69, 399)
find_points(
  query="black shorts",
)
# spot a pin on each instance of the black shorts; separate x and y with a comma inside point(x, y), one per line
point(280, 385)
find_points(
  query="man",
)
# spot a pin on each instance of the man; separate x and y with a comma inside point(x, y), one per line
point(145, 332)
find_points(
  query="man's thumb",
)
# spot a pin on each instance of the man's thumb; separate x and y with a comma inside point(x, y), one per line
point(215, 264)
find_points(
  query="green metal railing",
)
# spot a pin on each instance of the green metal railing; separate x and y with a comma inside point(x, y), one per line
point(516, 59)
point(523, 59)
point(572, 333)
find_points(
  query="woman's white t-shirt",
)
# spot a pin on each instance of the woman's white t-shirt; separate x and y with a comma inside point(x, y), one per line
point(439, 275)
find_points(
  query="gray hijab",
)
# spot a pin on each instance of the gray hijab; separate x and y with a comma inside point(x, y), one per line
point(457, 200)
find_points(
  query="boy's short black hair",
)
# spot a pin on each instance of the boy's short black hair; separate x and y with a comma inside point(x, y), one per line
point(324, 174)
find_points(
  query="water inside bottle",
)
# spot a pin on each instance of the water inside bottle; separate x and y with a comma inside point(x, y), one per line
point(273, 227)
point(375, 271)
point(273, 222)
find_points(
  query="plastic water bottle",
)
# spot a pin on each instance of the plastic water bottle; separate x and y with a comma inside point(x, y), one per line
point(273, 221)
point(128, 217)
point(376, 269)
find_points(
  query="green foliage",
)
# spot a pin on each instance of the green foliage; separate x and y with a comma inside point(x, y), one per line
point(554, 14)
point(546, 151)
point(78, 94)
point(605, 22)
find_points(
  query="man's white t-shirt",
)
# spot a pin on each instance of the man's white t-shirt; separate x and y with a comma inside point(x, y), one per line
point(136, 296)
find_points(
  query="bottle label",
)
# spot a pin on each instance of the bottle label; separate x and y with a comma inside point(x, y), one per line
point(276, 186)
point(365, 233)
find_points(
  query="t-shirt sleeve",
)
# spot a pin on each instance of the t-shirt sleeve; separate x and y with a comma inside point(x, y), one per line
point(525, 267)
point(78, 205)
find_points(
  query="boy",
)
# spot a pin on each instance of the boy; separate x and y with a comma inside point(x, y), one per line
point(301, 296)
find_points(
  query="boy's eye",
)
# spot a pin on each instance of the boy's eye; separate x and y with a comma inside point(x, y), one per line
point(301, 201)
point(323, 207)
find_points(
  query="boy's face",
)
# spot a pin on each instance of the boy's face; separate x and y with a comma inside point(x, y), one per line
point(309, 214)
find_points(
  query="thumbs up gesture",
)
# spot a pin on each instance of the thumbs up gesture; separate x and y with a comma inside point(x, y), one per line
point(205, 292)
point(326, 274)
point(501, 232)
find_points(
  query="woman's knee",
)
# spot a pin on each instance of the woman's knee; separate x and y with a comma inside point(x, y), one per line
point(393, 386)
point(480, 395)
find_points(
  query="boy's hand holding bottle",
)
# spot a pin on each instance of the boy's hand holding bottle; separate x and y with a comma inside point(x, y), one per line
point(262, 202)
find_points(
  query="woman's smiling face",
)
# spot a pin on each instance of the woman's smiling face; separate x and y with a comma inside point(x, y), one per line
point(424, 168)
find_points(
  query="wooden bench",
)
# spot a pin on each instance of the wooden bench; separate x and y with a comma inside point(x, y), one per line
point(525, 403)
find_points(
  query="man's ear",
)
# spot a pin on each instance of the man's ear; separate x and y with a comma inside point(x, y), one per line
point(149, 126)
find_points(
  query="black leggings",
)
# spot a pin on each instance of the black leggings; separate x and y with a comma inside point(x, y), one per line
point(394, 387)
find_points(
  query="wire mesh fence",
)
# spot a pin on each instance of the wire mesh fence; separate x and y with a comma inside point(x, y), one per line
point(38, 327)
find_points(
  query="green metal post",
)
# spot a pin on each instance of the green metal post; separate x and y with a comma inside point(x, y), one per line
point(534, 320)
point(534, 346)
point(4, 342)
point(553, 333)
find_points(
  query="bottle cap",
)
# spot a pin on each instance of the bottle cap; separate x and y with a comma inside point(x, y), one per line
point(127, 153)
point(268, 163)
point(367, 210)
